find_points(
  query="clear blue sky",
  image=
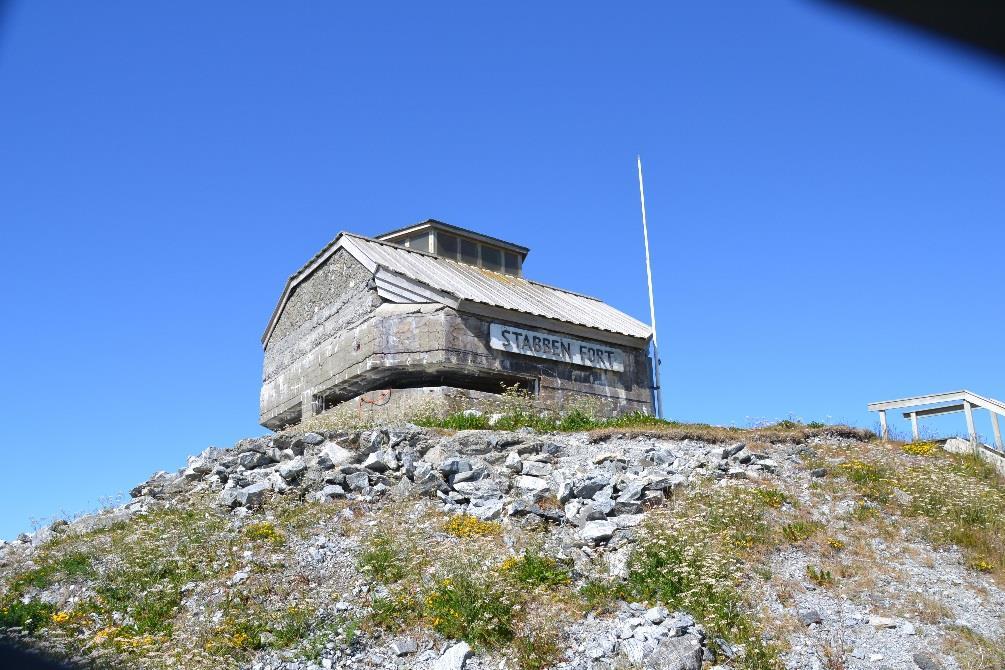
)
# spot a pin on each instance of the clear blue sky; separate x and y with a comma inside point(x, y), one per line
point(825, 194)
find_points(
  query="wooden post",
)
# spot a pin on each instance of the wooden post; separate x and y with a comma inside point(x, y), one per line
point(968, 410)
point(998, 432)
point(882, 424)
point(914, 425)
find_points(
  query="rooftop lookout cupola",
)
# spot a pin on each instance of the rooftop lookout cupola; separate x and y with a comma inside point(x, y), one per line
point(458, 244)
point(433, 314)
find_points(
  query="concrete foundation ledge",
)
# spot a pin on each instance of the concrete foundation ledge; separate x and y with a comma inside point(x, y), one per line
point(403, 405)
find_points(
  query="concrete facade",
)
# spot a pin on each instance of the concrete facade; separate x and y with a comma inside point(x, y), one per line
point(336, 338)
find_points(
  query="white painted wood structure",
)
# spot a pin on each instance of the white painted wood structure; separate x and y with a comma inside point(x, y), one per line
point(943, 403)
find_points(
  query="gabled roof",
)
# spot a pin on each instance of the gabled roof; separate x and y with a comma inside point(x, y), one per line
point(409, 275)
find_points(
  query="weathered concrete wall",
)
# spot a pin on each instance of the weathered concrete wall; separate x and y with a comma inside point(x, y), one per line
point(560, 383)
point(336, 296)
point(392, 346)
point(407, 404)
point(336, 339)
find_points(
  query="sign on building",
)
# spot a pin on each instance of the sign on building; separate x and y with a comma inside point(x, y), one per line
point(546, 345)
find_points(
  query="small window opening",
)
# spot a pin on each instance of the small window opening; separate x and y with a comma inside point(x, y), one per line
point(469, 252)
point(419, 241)
point(447, 245)
point(491, 258)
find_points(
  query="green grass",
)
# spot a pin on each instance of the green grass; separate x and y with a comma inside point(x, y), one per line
point(477, 610)
point(382, 559)
point(536, 569)
point(68, 566)
point(31, 616)
point(799, 530)
point(636, 423)
point(690, 558)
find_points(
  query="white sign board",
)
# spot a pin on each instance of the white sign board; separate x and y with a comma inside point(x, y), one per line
point(545, 345)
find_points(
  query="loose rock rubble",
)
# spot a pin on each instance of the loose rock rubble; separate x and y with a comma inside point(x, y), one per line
point(589, 499)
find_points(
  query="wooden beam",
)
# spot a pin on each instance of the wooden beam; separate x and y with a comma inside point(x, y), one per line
point(948, 409)
point(882, 424)
point(997, 431)
point(914, 426)
point(971, 432)
point(918, 400)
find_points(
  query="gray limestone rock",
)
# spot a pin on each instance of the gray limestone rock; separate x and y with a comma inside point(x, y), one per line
point(358, 482)
point(532, 484)
point(331, 492)
point(404, 646)
point(587, 487)
point(536, 469)
point(452, 466)
point(252, 496)
point(677, 653)
point(291, 470)
point(250, 460)
point(597, 531)
point(453, 658)
point(381, 461)
point(332, 456)
point(809, 617)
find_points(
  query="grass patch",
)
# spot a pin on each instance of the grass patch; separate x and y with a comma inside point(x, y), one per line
point(771, 497)
point(798, 531)
point(31, 616)
point(477, 610)
point(536, 650)
point(382, 559)
point(690, 557)
point(819, 576)
point(535, 569)
point(395, 612)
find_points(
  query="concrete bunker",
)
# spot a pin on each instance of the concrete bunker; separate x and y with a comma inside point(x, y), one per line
point(434, 311)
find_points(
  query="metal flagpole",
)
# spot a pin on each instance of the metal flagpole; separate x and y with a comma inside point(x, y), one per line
point(657, 395)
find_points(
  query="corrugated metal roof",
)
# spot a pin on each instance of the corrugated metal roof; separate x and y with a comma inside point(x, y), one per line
point(500, 290)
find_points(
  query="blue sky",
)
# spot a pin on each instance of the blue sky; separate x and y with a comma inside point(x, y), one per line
point(825, 195)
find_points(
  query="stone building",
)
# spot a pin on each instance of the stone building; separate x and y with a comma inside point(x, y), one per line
point(433, 311)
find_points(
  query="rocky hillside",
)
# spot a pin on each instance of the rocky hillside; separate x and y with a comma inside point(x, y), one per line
point(660, 546)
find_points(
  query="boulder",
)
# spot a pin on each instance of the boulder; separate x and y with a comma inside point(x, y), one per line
point(333, 456)
point(533, 484)
point(452, 466)
point(514, 462)
point(291, 470)
point(358, 482)
point(597, 531)
point(587, 487)
point(250, 460)
point(536, 469)
point(677, 653)
point(331, 492)
point(404, 646)
point(248, 496)
point(381, 461)
point(453, 658)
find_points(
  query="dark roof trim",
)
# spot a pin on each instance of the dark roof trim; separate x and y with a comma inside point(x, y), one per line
point(433, 223)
